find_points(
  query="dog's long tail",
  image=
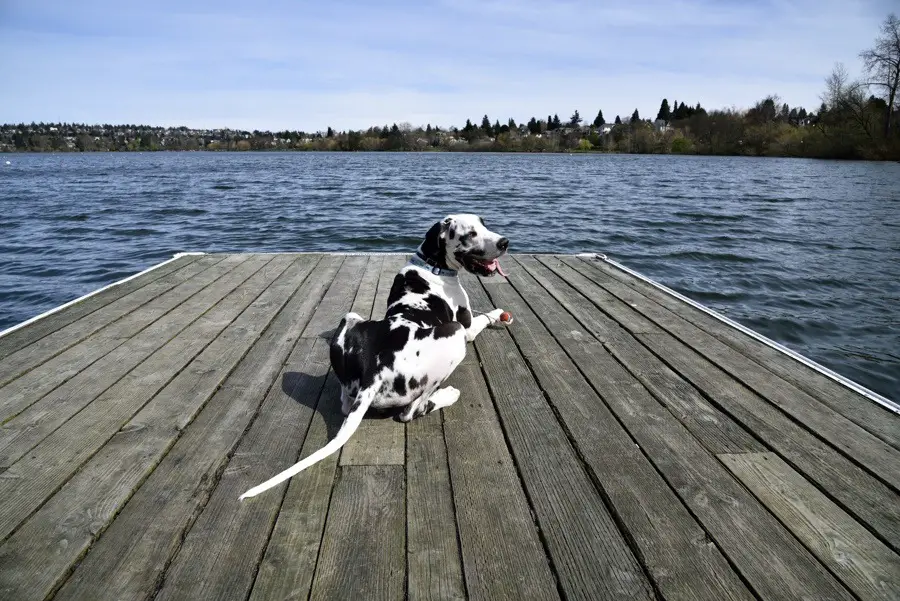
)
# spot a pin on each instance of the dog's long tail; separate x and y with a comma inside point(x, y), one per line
point(363, 399)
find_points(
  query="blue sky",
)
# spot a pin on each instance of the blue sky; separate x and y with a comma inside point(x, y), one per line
point(261, 64)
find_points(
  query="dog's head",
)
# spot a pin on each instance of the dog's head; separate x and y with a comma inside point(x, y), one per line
point(464, 242)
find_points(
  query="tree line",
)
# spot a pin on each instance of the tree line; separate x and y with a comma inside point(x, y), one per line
point(857, 119)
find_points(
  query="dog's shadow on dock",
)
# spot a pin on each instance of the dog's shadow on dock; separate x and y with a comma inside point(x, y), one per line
point(307, 389)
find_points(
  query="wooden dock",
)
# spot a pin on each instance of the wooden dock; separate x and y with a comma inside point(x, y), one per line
point(613, 443)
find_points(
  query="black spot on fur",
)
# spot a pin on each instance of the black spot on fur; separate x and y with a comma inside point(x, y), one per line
point(429, 407)
point(464, 316)
point(436, 312)
point(409, 281)
point(400, 385)
point(413, 383)
point(447, 330)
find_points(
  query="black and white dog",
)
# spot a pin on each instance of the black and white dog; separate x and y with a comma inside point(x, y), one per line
point(402, 360)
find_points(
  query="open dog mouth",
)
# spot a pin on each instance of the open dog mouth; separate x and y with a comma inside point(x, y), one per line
point(483, 267)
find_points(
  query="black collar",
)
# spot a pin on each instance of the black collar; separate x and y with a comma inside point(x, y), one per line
point(423, 261)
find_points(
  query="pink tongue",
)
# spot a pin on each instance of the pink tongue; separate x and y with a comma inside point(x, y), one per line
point(496, 265)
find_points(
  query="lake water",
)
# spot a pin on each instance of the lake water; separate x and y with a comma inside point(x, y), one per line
point(805, 252)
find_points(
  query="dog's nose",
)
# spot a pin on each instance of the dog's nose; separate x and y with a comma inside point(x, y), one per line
point(503, 243)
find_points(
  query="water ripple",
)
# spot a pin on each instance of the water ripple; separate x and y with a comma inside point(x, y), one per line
point(805, 252)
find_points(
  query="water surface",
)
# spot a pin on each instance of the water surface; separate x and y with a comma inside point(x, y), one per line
point(806, 252)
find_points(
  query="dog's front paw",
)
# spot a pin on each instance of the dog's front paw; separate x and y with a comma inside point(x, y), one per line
point(500, 316)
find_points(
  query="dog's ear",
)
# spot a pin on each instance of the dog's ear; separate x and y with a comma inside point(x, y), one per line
point(435, 243)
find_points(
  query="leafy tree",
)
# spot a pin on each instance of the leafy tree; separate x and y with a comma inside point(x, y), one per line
point(664, 113)
point(575, 120)
point(599, 121)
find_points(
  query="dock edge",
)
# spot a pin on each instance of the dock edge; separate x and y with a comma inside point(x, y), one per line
point(19, 326)
point(856, 387)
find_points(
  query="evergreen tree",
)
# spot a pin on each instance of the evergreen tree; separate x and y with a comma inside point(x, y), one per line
point(428, 128)
point(635, 117)
point(785, 112)
point(599, 121)
point(575, 120)
point(497, 131)
point(556, 122)
point(469, 127)
point(486, 126)
point(664, 113)
point(533, 127)
point(549, 122)
point(329, 133)
point(511, 123)
point(618, 120)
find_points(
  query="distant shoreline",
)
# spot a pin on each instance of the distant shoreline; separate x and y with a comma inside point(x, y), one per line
point(437, 151)
point(762, 131)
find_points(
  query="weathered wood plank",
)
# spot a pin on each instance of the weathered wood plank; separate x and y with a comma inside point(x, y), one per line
point(52, 540)
point(22, 392)
point(433, 555)
point(674, 548)
point(714, 428)
point(23, 337)
point(221, 552)
point(768, 557)
point(362, 554)
point(379, 441)
point(840, 398)
point(860, 560)
point(21, 433)
point(591, 557)
point(860, 493)
point(143, 538)
point(32, 479)
point(47, 347)
point(503, 557)
point(863, 447)
point(287, 568)
point(857, 491)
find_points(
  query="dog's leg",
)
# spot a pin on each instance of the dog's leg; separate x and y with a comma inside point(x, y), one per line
point(440, 399)
point(480, 322)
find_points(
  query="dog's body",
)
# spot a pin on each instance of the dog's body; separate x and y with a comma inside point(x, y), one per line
point(402, 360)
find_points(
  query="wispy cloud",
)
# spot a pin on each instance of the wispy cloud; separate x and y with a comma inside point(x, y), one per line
point(352, 63)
